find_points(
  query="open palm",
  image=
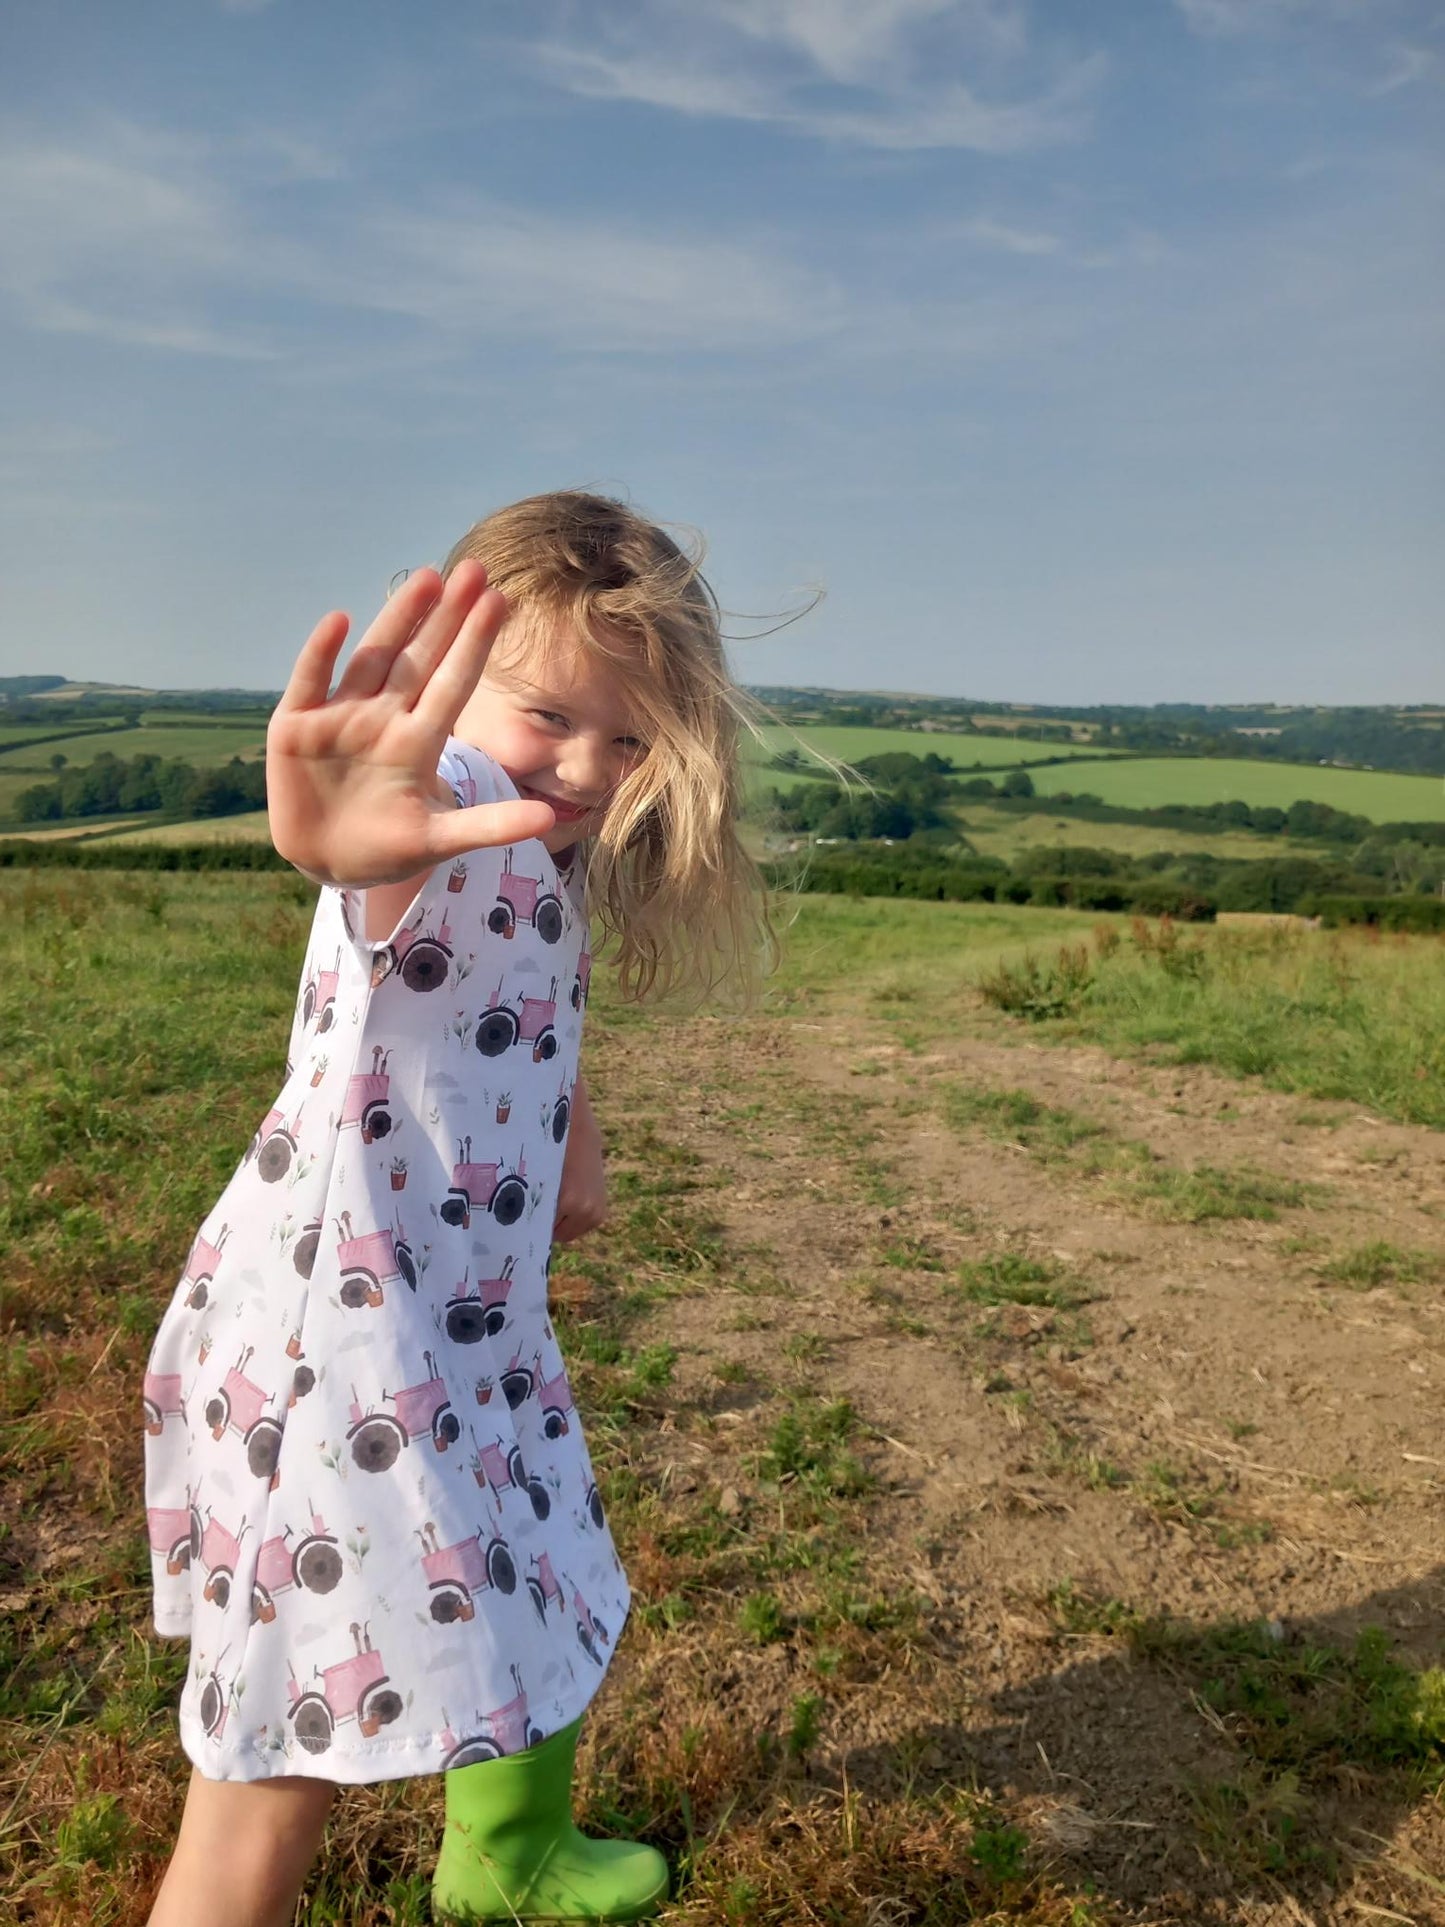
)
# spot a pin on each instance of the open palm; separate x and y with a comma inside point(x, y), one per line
point(351, 777)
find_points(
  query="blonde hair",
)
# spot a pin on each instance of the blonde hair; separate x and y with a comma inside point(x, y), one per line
point(675, 896)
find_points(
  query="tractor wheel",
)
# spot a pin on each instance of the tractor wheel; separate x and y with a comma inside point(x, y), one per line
point(274, 1160)
point(548, 920)
point(304, 1256)
point(509, 1201)
point(539, 1598)
point(496, 1032)
point(500, 921)
point(466, 1322)
point(308, 1004)
point(378, 1123)
point(377, 1444)
point(218, 1410)
point(406, 1265)
point(425, 966)
point(302, 1381)
point(545, 1048)
point(318, 1566)
point(554, 1425)
point(446, 1428)
point(212, 1705)
point(356, 1289)
point(560, 1116)
point(382, 1704)
point(454, 1212)
point(473, 1752)
point(263, 1447)
point(446, 1606)
point(516, 1388)
point(495, 1319)
point(594, 1506)
point(219, 1588)
point(313, 1722)
point(501, 1567)
point(540, 1497)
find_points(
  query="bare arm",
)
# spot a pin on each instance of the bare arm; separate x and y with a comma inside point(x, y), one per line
point(582, 1198)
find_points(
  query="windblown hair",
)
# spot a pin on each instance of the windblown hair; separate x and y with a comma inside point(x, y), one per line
point(675, 896)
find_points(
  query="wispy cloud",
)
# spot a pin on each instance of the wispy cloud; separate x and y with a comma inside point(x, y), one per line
point(885, 74)
point(134, 238)
point(1406, 66)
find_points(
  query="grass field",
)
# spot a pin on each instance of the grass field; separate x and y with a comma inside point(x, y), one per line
point(1022, 1437)
point(199, 743)
point(965, 752)
point(1146, 782)
point(1003, 833)
point(16, 735)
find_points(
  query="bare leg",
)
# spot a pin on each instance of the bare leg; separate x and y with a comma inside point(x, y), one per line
point(243, 1851)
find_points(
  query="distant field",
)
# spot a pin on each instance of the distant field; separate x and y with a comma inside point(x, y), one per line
point(1001, 833)
point(1081, 730)
point(1147, 782)
point(16, 735)
point(965, 752)
point(194, 742)
point(249, 827)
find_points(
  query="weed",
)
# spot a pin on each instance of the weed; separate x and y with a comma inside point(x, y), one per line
point(1369, 1266)
point(1039, 991)
point(1018, 1115)
point(803, 1724)
point(1012, 1278)
point(763, 1619)
point(1000, 1852)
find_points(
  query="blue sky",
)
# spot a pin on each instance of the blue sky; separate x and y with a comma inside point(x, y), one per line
point(1084, 353)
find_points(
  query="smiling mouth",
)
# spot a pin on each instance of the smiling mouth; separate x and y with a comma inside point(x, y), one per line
point(565, 812)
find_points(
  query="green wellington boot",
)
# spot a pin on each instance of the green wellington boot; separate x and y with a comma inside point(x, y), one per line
point(510, 1851)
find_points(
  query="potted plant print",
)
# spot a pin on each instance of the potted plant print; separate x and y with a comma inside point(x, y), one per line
point(504, 1107)
point(457, 878)
point(318, 1071)
point(398, 1174)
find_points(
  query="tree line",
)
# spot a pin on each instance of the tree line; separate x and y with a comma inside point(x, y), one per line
point(111, 785)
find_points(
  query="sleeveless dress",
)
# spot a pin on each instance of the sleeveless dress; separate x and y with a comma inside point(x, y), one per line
point(369, 1501)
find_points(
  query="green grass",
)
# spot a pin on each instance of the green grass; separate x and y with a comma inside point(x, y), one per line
point(1018, 1117)
point(1006, 834)
point(1146, 782)
point(847, 744)
point(198, 743)
point(1366, 1267)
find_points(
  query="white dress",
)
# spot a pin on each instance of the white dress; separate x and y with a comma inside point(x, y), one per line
point(369, 1501)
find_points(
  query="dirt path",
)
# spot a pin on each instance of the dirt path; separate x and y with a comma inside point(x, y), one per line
point(1192, 1424)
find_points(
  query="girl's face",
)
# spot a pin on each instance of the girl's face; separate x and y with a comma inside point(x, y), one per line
point(548, 712)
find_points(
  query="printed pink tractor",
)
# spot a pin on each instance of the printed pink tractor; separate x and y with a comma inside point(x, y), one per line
point(472, 1316)
point(219, 1555)
point(161, 1399)
point(499, 1026)
point(423, 958)
point(508, 1730)
point(484, 1187)
point(592, 1635)
point(202, 1263)
point(582, 982)
point(422, 1411)
point(355, 1688)
point(274, 1146)
point(314, 1565)
point(525, 900)
point(500, 1467)
point(555, 1397)
point(368, 1102)
point(174, 1531)
point(542, 1584)
point(240, 1406)
point(318, 998)
point(369, 1261)
point(456, 1573)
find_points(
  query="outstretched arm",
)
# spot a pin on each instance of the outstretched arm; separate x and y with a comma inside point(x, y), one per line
point(351, 777)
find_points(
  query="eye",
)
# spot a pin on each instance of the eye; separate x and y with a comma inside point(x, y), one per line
point(634, 745)
point(551, 716)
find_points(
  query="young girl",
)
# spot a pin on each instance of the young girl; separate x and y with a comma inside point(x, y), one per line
point(370, 1505)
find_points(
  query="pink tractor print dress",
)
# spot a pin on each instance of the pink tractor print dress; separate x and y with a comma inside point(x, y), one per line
point(370, 1505)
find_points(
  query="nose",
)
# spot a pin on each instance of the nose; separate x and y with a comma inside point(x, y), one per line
point(590, 766)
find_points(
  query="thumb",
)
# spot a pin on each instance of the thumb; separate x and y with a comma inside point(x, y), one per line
point(484, 826)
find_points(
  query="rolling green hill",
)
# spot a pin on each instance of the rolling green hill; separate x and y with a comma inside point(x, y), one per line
point(1146, 782)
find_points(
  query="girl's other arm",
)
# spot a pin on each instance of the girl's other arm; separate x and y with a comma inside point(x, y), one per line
point(582, 1198)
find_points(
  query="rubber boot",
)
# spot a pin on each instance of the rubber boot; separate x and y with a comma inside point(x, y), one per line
point(510, 1851)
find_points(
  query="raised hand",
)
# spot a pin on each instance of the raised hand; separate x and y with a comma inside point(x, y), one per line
point(351, 778)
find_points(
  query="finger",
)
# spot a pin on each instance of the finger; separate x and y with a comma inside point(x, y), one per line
point(453, 833)
point(310, 679)
point(412, 667)
point(389, 634)
point(455, 676)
